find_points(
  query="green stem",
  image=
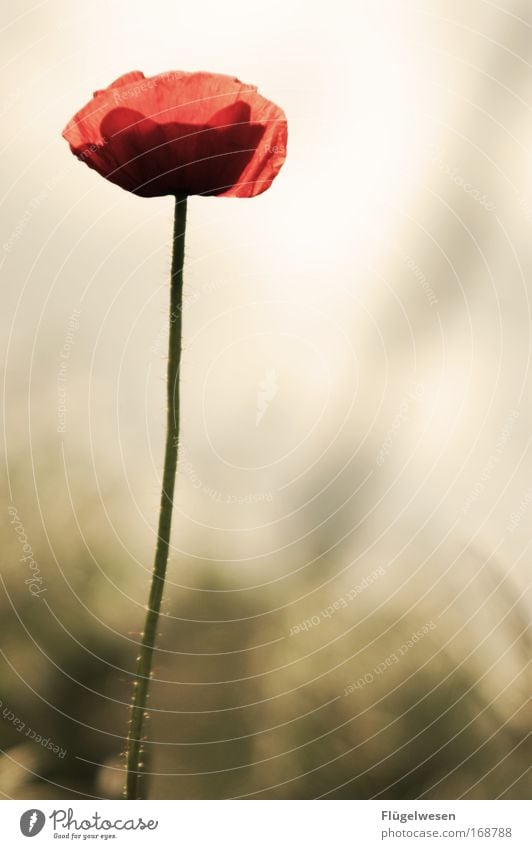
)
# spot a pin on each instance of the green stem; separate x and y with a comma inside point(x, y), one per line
point(144, 660)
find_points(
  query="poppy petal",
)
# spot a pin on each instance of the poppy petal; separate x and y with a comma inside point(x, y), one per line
point(179, 132)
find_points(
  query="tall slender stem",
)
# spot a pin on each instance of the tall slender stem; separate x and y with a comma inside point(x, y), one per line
point(144, 660)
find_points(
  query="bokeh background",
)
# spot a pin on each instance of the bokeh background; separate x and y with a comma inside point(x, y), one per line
point(347, 613)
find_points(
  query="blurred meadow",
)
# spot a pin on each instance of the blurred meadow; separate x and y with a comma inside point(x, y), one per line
point(347, 610)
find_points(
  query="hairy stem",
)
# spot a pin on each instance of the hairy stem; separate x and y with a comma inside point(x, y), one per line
point(149, 635)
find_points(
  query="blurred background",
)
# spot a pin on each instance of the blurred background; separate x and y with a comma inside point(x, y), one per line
point(346, 614)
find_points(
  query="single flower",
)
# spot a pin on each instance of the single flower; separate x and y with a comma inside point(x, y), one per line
point(175, 134)
point(181, 134)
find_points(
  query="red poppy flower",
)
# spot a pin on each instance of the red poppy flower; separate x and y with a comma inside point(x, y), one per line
point(181, 133)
